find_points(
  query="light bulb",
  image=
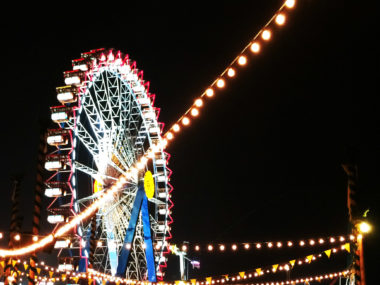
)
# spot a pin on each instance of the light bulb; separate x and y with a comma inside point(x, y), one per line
point(194, 112)
point(231, 72)
point(242, 60)
point(266, 35)
point(255, 47)
point(209, 92)
point(280, 19)
point(290, 3)
point(198, 103)
point(220, 83)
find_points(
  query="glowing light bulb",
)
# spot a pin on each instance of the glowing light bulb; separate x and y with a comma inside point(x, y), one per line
point(176, 128)
point(364, 227)
point(242, 60)
point(234, 247)
point(302, 243)
point(321, 241)
point(279, 244)
point(17, 237)
point(341, 238)
point(231, 72)
point(35, 238)
point(246, 246)
point(222, 247)
point(332, 240)
point(266, 35)
point(128, 246)
point(210, 247)
point(220, 83)
point(184, 248)
point(270, 245)
point(198, 103)
point(209, 92)
point(290, 3)
point(185, 121)
point(194, 112)
point(280, 19)
point(290, 243)
point(258, 245)
point(197, 248)
point(255, 47)
point(1, 235)
point(312, 242)
point(99, 243)
point(169, 135)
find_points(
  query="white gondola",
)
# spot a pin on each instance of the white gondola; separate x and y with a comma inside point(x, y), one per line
point(65, 267)
point(74, 77)
point(53, 165)
point(66, 97)
point(55, 219)
point(67, 94)
point(162, 193)
point(62, 243)
point(56, 140)
point(58, 137)
point(54, 192)
point(61, 114)
point(80, 64)
point(59, 117)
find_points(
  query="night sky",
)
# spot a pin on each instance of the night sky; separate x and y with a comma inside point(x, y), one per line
point(263, 161)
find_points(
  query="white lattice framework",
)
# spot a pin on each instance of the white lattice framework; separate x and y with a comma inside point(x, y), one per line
point(113, 124)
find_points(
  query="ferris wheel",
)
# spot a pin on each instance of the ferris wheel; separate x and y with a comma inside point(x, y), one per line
point(106, 124)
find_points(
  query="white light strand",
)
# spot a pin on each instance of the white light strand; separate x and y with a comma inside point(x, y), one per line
point(254, 46)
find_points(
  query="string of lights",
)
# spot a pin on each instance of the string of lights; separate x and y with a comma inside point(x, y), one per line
point(102, 197)
point(254, 47)
point(50, 274)
point(303, 280)
point(263, 36)
point(246, 246)
point(275, 268)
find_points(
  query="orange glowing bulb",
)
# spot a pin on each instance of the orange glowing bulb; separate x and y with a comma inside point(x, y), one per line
point(220, 83)
point(266, 35)
point(209, 92)
point(176, 128)
point(280, 19)
point(185, 121)
point(194, 112)
point(255, 47)
point(231, 72)
point(198, 103)
point(170, 136)
point(290, 3)
point(242, 60)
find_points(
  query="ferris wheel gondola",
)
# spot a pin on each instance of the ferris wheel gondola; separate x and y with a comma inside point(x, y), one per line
point(107, 123)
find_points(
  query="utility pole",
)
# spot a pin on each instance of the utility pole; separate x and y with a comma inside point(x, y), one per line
point(358, 224)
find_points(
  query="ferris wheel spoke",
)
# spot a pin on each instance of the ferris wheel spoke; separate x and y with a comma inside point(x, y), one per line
point(92, 172)
point(98, 126)
point(85, 138)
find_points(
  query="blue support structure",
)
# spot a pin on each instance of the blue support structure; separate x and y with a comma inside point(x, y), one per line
point(141, 203)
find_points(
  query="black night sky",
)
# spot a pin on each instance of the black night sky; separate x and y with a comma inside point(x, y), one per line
point(263, 161)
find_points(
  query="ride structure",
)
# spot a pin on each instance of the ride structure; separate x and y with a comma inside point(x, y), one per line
point(106, 124)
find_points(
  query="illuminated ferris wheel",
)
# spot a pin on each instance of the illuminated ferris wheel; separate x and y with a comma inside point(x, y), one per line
point(107, 123)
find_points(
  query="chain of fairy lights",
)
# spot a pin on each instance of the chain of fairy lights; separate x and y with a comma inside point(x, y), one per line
point(253, 47)
point(318, 278)
point(225, 278)
point(279, 18)
point(275, 268)
point(224, 247)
